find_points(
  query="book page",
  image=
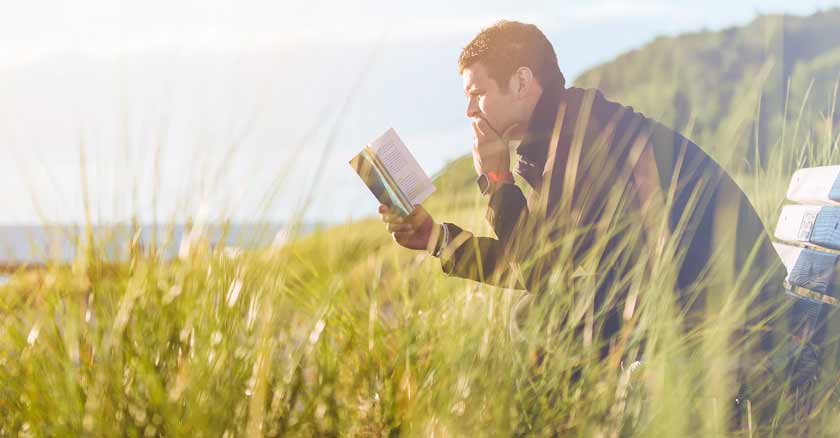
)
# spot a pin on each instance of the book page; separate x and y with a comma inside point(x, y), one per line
point(403, 167)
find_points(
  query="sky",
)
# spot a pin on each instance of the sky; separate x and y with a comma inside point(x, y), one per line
point(139, 104)
point(38, 27)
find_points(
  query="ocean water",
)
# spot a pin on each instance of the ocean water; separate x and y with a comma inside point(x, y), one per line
point(37, 244)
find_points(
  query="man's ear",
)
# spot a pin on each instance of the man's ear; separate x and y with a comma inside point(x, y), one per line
point(522, 81)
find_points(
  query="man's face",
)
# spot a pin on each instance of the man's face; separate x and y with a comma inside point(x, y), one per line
point(495, 103)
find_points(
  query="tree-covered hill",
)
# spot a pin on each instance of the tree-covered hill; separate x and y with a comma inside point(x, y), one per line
point(737, 90)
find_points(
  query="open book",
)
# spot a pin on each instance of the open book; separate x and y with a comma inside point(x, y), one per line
point(392, 174)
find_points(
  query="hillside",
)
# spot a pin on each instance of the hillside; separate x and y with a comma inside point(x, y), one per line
point(732, 85)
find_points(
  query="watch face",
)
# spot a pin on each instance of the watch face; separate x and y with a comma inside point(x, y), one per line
point(483, 183)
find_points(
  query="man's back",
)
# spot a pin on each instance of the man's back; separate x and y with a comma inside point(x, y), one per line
point(624, 191)
point(614, 151)
point(609, 163)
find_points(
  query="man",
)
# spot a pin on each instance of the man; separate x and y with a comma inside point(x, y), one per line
point(608, 188)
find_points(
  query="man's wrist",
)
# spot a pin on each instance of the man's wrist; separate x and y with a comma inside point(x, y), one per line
point(442, 240)
point(500, 176)
point(488, 182)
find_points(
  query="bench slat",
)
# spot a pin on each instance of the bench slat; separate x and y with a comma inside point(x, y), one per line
point(811, 225)
point(815, 185)
point(810, 269)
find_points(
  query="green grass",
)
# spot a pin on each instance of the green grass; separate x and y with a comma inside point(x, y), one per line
point(343, 333)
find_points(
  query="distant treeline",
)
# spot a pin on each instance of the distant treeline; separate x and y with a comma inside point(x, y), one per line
point(739, 92)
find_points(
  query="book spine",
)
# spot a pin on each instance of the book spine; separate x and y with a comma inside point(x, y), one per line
point(392, 184)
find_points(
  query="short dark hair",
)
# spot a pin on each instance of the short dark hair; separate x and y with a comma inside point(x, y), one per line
point(506, 46)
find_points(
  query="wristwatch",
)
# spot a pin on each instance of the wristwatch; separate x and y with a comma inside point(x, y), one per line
point(490, 180)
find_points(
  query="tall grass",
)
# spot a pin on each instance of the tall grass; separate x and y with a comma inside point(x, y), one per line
point(342, 333)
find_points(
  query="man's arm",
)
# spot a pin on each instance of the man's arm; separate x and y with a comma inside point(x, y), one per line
point(462, 254)
point(506, 208)
point(486, 259)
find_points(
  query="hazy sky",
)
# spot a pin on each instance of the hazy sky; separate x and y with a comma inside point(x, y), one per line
point(36, 27)
point(68, 70)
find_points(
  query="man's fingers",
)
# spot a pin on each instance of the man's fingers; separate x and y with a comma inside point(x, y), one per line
point(387, 213)
point(482, 127)
point(400, 228)
point(418, 220)
point(418, 210)
point(403, 237)
point(479, 133)
point(417, 213)
point(481, 130)
point(409, 230)
point(392, 218)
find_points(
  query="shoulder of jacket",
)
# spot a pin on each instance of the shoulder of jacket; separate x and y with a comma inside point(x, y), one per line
point(575, 96)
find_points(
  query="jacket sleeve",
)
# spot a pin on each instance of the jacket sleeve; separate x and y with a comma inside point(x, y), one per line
point(486, 259)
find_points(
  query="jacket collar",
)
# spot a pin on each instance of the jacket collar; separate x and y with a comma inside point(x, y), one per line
point(534, 147)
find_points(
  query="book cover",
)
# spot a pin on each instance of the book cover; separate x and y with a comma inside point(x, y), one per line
point(392, 174)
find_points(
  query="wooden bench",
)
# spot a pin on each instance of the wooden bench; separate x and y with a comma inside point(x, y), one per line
point(808, 232)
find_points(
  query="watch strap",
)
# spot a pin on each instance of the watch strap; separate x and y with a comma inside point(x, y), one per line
point(497, 177)
point(488, 180)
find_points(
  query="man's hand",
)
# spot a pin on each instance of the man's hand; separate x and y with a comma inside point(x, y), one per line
point(416, 231)
point(490, 150)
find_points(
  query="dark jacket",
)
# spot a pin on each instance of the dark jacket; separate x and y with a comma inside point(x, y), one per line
point(596, 204)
